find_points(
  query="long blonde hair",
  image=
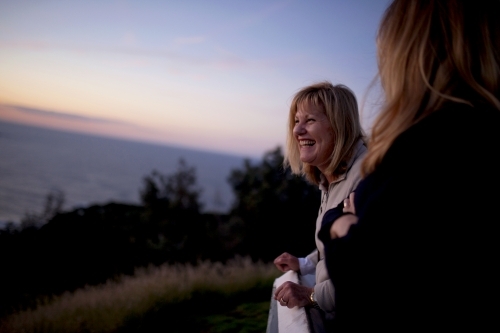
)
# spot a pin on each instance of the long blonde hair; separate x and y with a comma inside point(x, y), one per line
point(430, 53)
point(341, 107)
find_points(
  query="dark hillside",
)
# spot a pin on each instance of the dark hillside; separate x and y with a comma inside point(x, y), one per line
point(274, 212)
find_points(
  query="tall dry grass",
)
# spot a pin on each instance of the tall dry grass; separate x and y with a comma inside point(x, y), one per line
point(105, 308)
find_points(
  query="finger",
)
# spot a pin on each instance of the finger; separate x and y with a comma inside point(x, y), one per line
point(346, 205)
point(333, 233)
point(277, 292)
point(351, 202)
point(351, 196)
point(283, 302)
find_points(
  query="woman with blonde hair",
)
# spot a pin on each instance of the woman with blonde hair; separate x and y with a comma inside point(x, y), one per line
point(415, 246)
point(325, 144)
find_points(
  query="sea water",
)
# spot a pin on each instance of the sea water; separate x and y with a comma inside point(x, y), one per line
point(88, 170)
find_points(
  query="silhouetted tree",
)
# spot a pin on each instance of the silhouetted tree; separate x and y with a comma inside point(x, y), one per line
point(54, 202)
point(278, 209)
point(182, 189)
point(176, 191)
point(274, 211)
point(172, 219)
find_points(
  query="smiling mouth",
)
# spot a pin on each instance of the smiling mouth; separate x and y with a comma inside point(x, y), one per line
point(307, 143)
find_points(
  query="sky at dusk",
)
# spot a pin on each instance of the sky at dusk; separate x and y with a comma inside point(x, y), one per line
point(211, 75)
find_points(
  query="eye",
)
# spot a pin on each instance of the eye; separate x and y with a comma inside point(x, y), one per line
point(309, 120)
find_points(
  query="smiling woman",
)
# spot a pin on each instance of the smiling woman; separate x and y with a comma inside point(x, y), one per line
point(325, 144)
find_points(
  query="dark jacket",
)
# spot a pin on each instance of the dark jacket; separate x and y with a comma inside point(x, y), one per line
point(425, 251)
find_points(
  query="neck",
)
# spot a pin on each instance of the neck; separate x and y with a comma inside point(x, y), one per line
point(330, 178)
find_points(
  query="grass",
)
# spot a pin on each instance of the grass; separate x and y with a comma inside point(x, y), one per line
point(245, 318)
point(208, 298)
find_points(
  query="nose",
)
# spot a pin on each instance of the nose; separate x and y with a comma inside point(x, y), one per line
point(298, 129)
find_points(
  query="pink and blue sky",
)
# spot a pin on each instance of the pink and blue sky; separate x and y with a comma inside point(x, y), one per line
point(210, 75)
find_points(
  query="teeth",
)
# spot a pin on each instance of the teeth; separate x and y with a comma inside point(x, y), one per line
point(306, 142)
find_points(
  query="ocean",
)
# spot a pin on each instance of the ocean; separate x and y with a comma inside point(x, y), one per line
point(96, 170)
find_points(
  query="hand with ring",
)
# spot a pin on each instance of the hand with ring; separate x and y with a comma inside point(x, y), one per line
point(291, 294)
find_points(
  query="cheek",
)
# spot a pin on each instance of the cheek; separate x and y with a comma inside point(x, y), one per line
point(326, 151)
point(329, 144)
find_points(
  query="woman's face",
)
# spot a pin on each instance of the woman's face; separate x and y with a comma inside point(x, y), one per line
point(314, 136)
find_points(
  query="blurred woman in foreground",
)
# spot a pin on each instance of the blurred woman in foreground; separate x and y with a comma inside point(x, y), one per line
point(415, 246)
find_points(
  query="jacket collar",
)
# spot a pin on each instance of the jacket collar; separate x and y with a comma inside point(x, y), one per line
point(360, 149)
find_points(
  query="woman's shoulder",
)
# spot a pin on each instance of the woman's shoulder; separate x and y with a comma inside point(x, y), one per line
point(357, 156)
point(449, 136)
point(460, 116)
point(454, 121)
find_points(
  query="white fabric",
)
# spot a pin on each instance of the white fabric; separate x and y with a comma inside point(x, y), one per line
point(292, 320)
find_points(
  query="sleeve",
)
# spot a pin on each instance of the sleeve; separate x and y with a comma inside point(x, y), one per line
point(313, 257)
point(306, 266)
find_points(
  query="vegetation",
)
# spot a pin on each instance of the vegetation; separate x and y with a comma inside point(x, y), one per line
point(176, 298)
point(56, 256)
point(276, 209)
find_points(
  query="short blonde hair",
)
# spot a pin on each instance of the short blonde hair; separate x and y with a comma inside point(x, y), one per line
point(430, 53)
point(341, 107)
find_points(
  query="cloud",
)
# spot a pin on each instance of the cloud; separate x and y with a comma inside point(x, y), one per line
point(167, 135)
point(220, 61)
point(59, 115)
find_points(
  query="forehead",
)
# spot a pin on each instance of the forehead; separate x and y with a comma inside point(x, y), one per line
point(309, 108)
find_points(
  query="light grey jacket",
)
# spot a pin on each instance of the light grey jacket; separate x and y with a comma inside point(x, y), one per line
point(331, 196)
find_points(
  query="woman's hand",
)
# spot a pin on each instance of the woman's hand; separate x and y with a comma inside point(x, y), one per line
point(286, 262)
point(291, 294)
point(349, 204)
point(341, 226)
